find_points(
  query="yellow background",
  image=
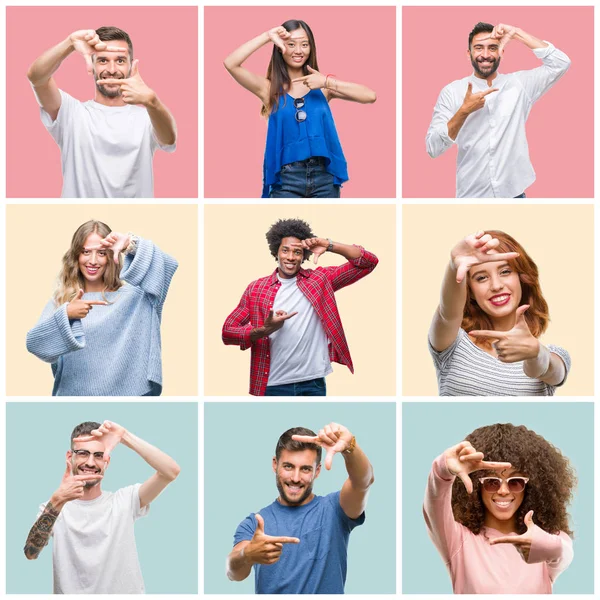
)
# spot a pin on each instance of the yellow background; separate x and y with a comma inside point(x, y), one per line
point(236, 253)
point(559, 238)
point(37, 236)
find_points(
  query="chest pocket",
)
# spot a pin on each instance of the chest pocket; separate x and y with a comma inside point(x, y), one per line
point(316, 545)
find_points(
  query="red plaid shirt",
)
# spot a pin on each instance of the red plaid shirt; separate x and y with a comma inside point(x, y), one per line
point(318, 286)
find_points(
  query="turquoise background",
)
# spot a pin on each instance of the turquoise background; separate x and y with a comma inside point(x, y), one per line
point(240, 441)
point(38, 436)
point(430, 428)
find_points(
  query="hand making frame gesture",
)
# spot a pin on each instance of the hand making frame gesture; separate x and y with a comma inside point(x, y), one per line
point(266, 549)
point(333, 438)
point(87, 43)
point(117, 242)
point(521, 542)
point(516, 344)
point(463, 459)
point(109, 433)
point(133, 88)
point(475, 249)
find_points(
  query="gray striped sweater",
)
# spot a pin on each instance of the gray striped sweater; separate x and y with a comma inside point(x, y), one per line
point(463, 369)
point(116, 349)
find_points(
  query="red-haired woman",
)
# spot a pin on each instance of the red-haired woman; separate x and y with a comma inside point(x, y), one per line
point(303, 157)
point(504, 527)
point(484, 333)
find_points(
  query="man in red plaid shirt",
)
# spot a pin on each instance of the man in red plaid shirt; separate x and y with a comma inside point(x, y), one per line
point(290, 319)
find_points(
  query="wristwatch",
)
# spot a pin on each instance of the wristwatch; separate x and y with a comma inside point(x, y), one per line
point(330, 247)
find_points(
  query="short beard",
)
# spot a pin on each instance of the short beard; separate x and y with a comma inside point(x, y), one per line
point(281, 489)
point(106, 93)
point(480, 72)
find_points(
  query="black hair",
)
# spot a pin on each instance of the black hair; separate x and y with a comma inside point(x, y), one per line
point(107, 34)
point(288, 228)
point(285, 442)
point(83, 429)
point(480, 28)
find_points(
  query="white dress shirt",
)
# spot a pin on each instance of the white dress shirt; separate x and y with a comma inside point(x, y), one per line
point(493, 156)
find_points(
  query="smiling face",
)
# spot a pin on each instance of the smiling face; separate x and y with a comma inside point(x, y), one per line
point(484, 55)
point(295, 473)
point(496, 288)
point(501, 506)
point(112, 65)
point(92, 264)
point(297, 49)
point(289, 257)
point(92, 464)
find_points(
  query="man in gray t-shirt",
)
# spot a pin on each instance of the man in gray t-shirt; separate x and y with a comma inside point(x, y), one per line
point(91, 527)
point(299, 543)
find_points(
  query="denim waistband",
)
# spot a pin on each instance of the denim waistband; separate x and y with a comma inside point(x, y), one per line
point(312, 161)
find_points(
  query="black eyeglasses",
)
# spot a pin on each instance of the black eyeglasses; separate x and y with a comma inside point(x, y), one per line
point(300, 114)
point(86, 454)
point(514, 484)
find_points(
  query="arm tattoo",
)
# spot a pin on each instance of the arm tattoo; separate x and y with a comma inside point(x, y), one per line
point(40, 532)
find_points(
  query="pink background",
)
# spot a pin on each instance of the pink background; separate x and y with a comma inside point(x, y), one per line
point(172, 54)
point(358, 44)
point(560, 128)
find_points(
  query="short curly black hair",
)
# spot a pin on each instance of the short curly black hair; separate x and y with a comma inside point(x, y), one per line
point(551, 483)
point(288, 228)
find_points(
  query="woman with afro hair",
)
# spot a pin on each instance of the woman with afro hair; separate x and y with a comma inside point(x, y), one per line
point(504, 527)
point(484, 336)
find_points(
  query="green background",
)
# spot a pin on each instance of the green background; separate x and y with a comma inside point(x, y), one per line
point(37, 439)
point(430, 428)
point(240, 441)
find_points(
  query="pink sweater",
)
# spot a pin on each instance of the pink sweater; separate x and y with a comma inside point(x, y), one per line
point(475, 566)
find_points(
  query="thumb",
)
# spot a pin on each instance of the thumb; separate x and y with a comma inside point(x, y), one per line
point(528, 520)
point(315, 258)
point(89, 64)
point(68, 470)
point(469, 88)
point(521, 315)
point(464, 477)
point(79, 295)
point(260, 525)
point(310, 69)
point(134, 68)
point(329, 458)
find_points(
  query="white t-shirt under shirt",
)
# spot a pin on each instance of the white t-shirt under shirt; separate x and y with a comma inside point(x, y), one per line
point(94, 549)
point(299, 350)
point(106, 151)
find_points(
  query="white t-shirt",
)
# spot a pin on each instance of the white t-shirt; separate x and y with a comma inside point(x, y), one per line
point(94, 548)
point(299, 350)
point(106, 151)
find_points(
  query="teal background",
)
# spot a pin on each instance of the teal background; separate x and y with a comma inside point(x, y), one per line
point(430, 428)
point(38, 436)
point(240, 441)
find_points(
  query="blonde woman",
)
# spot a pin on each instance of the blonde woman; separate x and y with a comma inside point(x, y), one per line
point(101, 330)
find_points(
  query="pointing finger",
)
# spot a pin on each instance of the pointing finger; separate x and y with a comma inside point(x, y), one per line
point(307, 439)
point(97, 303)
point(489, 91)
point(300, 79)
point(495, 465)
point(283, 540)
point(497, 335)
point(109, 81)
point(290, 316)
point(90, 477)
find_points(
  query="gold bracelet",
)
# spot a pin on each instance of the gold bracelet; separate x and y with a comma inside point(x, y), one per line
point(352, 446)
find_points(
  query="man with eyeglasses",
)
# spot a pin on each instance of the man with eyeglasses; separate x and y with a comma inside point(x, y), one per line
point(485, 114)
point(299, 543)
point(94, 544)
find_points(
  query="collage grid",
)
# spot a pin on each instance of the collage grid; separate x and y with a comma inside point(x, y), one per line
point(205, 418)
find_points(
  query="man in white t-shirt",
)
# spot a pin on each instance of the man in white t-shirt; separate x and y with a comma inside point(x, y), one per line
point(107, 144)
point(94, 549)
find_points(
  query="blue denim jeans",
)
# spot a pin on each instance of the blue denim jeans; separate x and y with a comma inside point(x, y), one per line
point(305, 179)
point(521, 196)
point(313, 387)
